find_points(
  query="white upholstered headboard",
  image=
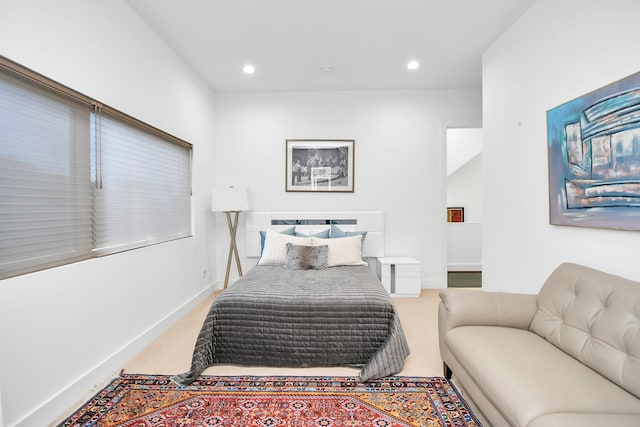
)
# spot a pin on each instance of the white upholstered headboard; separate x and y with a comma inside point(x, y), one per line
point(313, 222)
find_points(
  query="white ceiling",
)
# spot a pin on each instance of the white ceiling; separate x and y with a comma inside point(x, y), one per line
point(367, 42)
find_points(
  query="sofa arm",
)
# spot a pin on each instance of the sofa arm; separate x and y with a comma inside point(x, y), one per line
point(471, 307)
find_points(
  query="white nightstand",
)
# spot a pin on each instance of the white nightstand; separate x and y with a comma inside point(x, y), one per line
point(401, 276)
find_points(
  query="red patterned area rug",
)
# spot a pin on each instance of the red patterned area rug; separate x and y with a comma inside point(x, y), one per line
point(155, 401)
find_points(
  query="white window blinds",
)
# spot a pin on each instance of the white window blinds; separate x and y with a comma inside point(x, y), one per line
point(45, 190)
point(143, 188)
point(78, 180)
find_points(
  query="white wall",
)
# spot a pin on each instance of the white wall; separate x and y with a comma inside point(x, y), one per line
point(556, 52)
point(399, 165)
point(464, 189)
point(464, 246)
point(66, 329)
point(462, 145)
point(464, 239)
point(464, 164)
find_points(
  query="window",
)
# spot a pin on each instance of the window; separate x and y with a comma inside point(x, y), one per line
point(143, 193)
point(79, 180)
point(45, 185)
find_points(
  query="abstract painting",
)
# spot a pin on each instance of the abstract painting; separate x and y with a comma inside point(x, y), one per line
point(594, 158)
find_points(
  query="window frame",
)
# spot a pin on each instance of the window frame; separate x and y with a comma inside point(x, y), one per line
point(95, 107)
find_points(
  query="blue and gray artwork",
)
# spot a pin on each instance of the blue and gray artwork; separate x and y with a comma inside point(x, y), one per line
point(594, 158)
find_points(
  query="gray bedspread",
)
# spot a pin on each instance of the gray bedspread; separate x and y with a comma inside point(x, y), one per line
point(340, 316)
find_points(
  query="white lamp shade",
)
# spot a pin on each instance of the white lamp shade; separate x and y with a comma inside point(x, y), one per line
point(229, 199)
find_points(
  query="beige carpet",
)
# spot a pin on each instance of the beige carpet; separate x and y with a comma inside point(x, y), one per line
point(171, 352)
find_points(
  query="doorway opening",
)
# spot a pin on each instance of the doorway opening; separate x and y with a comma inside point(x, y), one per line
point(464, 195)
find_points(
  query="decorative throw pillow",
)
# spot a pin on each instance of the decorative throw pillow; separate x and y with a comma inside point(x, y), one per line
point(275, 247)
point(306, 257)
point(324, 234)
point(336, 232)
point(263, 234)
point(344, 251)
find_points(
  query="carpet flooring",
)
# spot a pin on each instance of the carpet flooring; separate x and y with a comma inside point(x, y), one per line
point(154, 401)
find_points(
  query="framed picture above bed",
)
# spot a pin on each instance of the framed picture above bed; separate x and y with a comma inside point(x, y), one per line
point(319, 165)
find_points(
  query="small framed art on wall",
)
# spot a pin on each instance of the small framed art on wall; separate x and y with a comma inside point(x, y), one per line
point(455, 214)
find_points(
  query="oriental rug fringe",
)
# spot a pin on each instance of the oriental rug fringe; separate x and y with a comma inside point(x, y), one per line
point(212, 401)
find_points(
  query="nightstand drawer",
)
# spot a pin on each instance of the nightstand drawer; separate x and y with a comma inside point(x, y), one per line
point(401, 276)
point(401, 270)
point(407, 286)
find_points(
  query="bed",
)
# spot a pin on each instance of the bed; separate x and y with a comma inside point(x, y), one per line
point(310, 301)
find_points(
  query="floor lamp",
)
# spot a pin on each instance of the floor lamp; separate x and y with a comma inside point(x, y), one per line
point(230, 200)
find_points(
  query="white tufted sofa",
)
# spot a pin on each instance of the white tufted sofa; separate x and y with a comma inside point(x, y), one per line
point(569, 356)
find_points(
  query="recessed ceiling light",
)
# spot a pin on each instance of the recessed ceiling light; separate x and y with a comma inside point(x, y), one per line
point(249, 69)
point(413, 65)
point(327, 69)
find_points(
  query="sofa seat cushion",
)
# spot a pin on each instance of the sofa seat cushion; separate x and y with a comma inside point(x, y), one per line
point(527, 378)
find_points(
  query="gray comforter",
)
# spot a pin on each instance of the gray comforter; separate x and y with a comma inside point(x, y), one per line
point(340, 316)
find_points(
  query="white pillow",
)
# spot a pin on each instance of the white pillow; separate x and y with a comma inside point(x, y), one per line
point(275, 247)
point(343, 251)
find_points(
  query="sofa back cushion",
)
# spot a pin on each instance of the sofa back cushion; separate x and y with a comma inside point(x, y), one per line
point(594, 317)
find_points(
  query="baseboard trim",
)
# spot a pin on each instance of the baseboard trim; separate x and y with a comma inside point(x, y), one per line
point(75, 393)
point(459, 266)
